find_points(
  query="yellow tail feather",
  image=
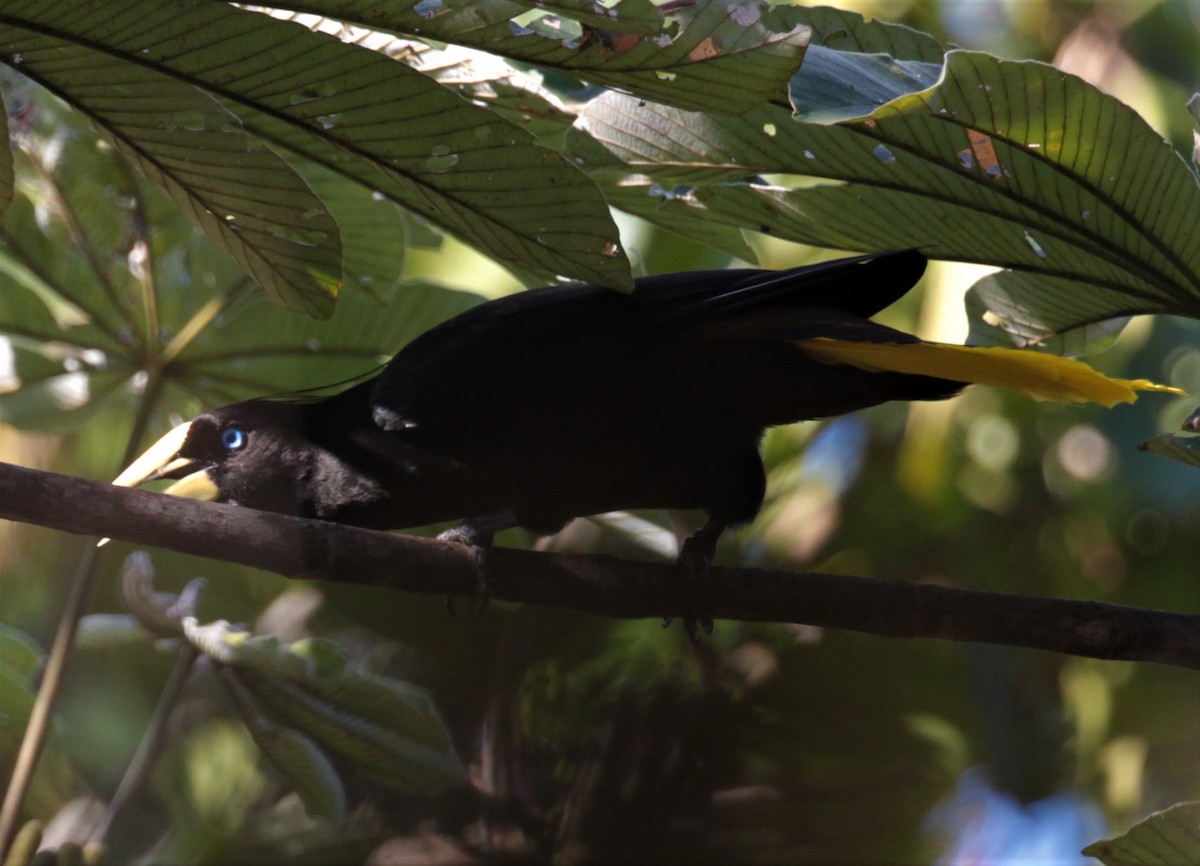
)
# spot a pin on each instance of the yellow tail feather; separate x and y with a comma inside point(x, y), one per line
point(1041, 376)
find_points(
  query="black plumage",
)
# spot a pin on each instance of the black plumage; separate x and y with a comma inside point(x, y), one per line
point(574, 400)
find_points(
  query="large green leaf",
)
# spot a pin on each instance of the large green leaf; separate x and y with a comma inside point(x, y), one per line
point(83, 323)
point(850, 31)
point(723, 56)
point(389, 729)
point(373, 230)
point(366, 117)
point(1167, 838)
point(519, 95)
point(245, 197)
point(19, 652)
point(843, 85)
point(625, 16)
point(1006, 163)
point(301, 761)
point(667, 208)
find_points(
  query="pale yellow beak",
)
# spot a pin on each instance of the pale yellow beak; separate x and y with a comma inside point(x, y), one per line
point(158, 460)
point(162, 459)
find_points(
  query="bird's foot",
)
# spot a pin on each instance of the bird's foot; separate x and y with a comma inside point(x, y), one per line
point(481, 561)
point(693, 625)
point(476, 535)
point(695, 558)
point(479, 548)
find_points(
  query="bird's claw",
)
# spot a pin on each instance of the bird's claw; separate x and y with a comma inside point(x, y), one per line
point(478, 541)
point(695, 559)
point(481, 561)
point(693, 626)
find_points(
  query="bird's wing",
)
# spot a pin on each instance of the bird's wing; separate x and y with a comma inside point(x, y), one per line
point(544, 337)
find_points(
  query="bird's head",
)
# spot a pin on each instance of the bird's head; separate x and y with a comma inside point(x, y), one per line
point(250, 453)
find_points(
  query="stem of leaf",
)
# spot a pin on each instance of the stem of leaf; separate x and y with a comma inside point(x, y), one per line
point(201, 320)
point(60, 651)
point(147, 751)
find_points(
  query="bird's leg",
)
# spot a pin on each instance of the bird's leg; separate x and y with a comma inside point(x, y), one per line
point(700, 547)
point(476, 533)
point(740, 483)
point(695, 557)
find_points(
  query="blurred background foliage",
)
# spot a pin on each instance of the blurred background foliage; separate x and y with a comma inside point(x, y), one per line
point(603, 739)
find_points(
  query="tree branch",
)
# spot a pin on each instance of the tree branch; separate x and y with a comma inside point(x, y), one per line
point(598, 584)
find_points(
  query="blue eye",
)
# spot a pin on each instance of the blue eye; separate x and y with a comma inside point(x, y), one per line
point(234, 438)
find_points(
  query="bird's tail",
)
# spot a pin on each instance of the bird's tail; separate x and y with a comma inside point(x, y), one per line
point(1041, 376)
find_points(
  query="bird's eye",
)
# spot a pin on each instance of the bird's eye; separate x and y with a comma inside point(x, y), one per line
point(234, 438)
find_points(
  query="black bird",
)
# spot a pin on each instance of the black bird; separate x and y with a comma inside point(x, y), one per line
point(565, 401)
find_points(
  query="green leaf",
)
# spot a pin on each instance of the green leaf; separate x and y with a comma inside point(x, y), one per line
point(722, 57)
point(16, 700)
point(1167, 838)
point(80, 324)
point(389, 730)
point(19, 652)
point(1185, 449)
point(64, 313)
point(1079, 163)
point(319, 667)
point(640, 17)
point(220, 782)
point(998, 304)
point(377, 751)
point(373, 230)
point(308, 772)
point(358, 113)
point(850, 31)
point(237, 357)
point(671, 209)
point(26, 842)
point(1030, 168)
point(242, 195)
point(517, 95)
point(841, 85)
point(399, 706)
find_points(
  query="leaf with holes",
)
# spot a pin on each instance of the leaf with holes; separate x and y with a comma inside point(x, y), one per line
point(625, 16)
point(841, 30)
point(1013, 164)
point(714, 55)
point(358, 113)
point(89, 294)
point(242, 195)
point(669, 209)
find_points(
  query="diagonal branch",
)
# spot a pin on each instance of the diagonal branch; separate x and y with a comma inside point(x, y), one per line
point(603, 585)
